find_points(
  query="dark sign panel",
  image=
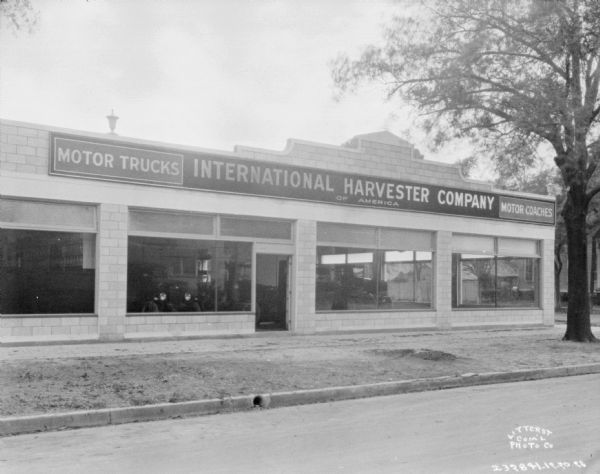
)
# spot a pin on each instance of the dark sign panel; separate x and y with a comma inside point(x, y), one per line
point(526, 210)
point(78, 157)
point(102, 159)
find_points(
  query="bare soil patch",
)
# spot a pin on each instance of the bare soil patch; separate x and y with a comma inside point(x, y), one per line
point(46, 379)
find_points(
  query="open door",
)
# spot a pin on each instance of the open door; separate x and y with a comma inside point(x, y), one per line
point(272, 304)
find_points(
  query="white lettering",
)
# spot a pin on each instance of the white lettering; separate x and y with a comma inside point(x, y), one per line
point(307, 180)
point(242, 173)
point(267, 178)
point(348, 186)
point(295, 179)
point(64, 155)
point(76, 157)
point(230, 172)
point(206, 170)
point(328, 186)
point(399, 191)
point(319, 183)
point(255, 174)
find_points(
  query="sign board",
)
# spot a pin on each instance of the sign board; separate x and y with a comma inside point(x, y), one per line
point(115, 161)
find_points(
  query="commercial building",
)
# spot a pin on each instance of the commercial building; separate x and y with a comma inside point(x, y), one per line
point(103, 236)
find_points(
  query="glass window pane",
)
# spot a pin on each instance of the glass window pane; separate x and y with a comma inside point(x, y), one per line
point(474, 244)
point(398, 256)
point(166, 222)
point(518, 247)
point(234, 276)
point(265, 229)
point(474, 280)
point(478, 280)
point(41, 214)
point(46, 272)
point(346, 234)
point(423, 256)
point(215, 274)
point(517, 283)
point(346, 286)
point(424, 282)
point(397, 284)
point(332, 259)
point(360, 257)
point(405, 283)
point(406, 239)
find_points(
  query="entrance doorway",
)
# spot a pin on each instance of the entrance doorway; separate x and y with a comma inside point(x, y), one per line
point(272, 284)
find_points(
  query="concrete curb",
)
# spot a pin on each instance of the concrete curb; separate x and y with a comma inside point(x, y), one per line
point(112, 416)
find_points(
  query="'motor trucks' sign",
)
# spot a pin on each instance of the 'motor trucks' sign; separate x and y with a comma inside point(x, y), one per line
point(115, 161)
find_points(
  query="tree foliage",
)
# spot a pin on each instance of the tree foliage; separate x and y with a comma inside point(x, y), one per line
point(511, 75)
point(18, 15)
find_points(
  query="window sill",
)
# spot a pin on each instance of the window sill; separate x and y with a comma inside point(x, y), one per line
point(496, 308)
point(397, 310)
point(50, 315)
point(188, 313)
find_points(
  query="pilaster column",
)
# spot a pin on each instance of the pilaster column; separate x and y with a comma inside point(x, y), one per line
point(443, 279)
point(111, 276)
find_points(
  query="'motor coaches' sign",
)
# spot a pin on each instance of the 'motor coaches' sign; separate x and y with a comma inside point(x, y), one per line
point(102, 159)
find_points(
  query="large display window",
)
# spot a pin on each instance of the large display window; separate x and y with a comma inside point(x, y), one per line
point(47, 257)
point(169, 274)
point(46, 272)
point(495, 273)
point(393, 270)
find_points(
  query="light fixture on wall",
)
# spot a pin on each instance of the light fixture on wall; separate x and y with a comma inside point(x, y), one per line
point(112, 122)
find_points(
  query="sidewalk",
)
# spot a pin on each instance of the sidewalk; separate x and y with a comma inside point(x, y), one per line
point(561, 318)
point(58, 379)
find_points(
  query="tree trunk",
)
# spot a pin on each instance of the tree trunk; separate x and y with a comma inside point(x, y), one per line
point(558, 266)
point(578, 308)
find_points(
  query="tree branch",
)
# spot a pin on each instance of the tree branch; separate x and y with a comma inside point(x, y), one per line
point(512, 32)
point(591, 193)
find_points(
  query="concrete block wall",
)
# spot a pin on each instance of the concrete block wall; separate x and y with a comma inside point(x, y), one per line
point(183, 325)
point(48, 328)
point(23, 149)
point(496, 317)
point(442, 275)
point(304, 268)
point(367, 156)
point(111, 274)
point(376, 320)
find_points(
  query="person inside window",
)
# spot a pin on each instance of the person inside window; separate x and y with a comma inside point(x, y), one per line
point(163, 304)
point(151, 306)
point(189, 303)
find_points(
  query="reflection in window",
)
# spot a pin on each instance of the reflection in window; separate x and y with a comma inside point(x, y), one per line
point(517, 282)
point(364, 279)
point(216, 275)
point(484, 280)
point(477, 280)
point(46, 272)
point(407, 279)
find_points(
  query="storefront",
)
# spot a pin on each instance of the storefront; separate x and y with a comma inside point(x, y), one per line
point(107, 238)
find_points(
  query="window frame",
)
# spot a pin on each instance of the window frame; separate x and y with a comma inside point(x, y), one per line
point(73, 228)
point(212, 243)
point(379, 251)
point(536, 269)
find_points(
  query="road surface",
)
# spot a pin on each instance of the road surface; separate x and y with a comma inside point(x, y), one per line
point(553, 425)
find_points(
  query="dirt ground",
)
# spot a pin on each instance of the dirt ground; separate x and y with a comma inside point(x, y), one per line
point(55, 378)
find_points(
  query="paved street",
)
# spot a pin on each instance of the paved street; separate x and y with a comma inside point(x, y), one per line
point(554, 425)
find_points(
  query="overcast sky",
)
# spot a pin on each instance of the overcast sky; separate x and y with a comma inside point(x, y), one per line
point(207, 73)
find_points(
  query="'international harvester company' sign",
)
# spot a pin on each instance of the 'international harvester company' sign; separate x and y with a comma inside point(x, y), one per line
point(115, 161)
